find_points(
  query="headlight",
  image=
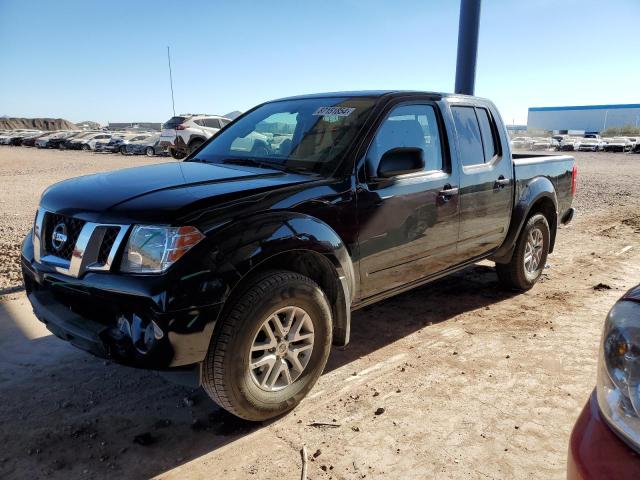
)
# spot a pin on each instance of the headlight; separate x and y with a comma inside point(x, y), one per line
point(619, 371)
point(153, 249)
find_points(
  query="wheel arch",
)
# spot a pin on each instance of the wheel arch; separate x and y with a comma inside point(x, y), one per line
point(537, 196)
point(289, 241)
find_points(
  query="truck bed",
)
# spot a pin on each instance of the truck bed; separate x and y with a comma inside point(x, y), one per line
point(557, 168)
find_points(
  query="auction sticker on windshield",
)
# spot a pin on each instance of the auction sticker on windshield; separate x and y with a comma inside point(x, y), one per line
point(333, 111)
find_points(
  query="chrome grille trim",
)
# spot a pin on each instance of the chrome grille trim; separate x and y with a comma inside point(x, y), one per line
point(85, 252)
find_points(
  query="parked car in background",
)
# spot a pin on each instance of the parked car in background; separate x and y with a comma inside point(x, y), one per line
point(90, 142)
point(569, 144)
point(118, 141)
point(30, 139)
point(17, 138)
point(590, 145)
point(75, 142)
point(59, 141)
point(43, 141)
point(593, 135)
point(618, 144)
point(605, 442)
point(183, 134)
point(149, 146)
point(521, 143)
point(544, 144)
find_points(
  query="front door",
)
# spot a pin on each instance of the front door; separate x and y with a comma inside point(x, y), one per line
point(408, 225)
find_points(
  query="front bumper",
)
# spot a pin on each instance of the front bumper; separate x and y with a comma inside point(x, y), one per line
point(125, 318)
point(596, 452)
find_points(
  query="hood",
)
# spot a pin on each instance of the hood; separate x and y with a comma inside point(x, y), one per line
point(158, 192)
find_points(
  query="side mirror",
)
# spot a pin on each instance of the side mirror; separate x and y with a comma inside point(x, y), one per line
point(399, 161)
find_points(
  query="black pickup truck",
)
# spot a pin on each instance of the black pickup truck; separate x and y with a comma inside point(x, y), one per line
point(242, 264)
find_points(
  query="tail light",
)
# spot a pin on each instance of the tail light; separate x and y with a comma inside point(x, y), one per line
point(574, 179)
point(181, 127)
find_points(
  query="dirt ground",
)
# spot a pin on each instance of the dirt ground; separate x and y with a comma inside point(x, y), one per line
point(475, 382)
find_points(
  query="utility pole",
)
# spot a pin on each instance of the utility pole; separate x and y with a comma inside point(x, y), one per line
point(173, 103)
point(468, 30)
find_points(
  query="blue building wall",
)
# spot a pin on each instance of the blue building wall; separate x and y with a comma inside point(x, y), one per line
point(590, 118)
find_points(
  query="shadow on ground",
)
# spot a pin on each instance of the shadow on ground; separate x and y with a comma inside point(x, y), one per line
point(66, 414)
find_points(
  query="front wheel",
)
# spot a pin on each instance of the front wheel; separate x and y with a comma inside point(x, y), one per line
point(150, 152)
point(529, 256)
point(270, 348)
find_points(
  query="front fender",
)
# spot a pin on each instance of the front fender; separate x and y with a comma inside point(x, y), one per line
point(529, 195)
point(245, 245)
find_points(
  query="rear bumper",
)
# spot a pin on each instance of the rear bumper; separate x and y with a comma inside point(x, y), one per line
point(596, 452)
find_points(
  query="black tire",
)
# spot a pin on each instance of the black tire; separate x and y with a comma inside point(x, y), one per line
point(177, 155)
point(227, 377)
point(123, 150)
point(194, 145)
point(514, 275)
point(150, 151)
point(86, 147)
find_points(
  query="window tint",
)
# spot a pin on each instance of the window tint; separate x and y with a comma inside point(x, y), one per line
point(200, 122)
point(408, 126)
point(469, 139)
point(488, 138)
point(212, 122)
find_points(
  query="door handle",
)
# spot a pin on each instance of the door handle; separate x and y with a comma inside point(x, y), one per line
point(447, 192)
point(502, 182)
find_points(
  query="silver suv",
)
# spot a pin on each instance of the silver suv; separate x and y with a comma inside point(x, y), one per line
point(182, 134)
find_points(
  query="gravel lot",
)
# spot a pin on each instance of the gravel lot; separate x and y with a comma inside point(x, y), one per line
point(475, 382)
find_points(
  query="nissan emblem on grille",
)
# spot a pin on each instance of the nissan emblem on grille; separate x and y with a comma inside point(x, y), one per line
point(59, 236)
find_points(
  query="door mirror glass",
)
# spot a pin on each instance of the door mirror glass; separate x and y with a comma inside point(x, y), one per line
point(400, 161)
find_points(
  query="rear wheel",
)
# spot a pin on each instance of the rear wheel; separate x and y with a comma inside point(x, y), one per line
point(150, 152)
point(530, 256)
point(86, 147)
point(193, 146)
point(176, 154)
point(270, 348)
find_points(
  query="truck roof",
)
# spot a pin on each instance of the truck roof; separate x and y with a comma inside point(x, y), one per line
point(372, 93)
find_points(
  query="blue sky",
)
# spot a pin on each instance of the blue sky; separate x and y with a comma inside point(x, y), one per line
point(106, 61)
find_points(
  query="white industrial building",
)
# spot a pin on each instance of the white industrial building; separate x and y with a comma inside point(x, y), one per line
point(586, 118)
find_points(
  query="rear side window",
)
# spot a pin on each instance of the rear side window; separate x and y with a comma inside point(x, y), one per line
point(488, 136)
point(173, 122)
point(469, 138)
point(212, 122)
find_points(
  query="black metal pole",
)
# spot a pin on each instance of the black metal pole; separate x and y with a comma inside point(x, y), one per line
point(467, 46)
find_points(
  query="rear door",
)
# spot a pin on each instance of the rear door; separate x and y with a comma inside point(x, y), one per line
point(408, 225)
point(486, 180)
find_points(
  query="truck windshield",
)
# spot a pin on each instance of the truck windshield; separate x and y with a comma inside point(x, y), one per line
point(308, 135)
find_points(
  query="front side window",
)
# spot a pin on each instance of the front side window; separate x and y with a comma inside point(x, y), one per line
point(408, 126)
point(307, 135)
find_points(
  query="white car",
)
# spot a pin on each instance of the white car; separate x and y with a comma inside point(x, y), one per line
point(618, 144)
point(590, 145)
point(570, 144)
point(544, 144)
point(521, 143)
point(91, 142)
point(184, 133)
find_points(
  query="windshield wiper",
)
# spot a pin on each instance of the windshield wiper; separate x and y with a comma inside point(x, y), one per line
point(251, 162)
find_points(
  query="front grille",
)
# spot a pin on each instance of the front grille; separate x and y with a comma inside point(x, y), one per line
point(73, 227)
point(110, 235)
